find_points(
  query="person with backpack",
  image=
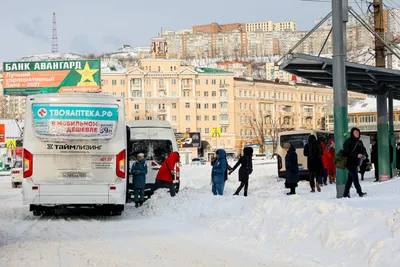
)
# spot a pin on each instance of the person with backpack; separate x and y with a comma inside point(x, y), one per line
point(292, 168)
point(218, 172)
point(353, 151)
point(166, 174)
point(246, 168)
point(313, 152)
point(139, 171)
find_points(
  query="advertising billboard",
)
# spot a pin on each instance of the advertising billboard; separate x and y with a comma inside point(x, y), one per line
point(38, 77)
point(188, 139)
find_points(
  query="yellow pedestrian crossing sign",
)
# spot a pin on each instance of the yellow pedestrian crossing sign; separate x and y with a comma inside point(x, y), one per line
point(11, 144)
point(215, 132)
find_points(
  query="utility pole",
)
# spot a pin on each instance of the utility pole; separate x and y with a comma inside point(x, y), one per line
point(339, 85)
point(382, 96)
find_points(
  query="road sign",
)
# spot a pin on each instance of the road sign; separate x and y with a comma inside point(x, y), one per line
point(215, 132)
point(11, 144)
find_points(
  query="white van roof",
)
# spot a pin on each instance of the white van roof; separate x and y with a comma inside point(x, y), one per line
point(148, 124)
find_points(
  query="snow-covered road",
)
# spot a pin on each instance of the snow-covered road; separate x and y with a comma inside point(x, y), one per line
point(195, 228)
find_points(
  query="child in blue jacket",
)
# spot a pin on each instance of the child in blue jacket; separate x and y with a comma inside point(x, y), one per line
point(139, 171)
point(218, 172)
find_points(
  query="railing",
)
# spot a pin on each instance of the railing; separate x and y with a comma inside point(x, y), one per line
point(223, 99)
point(224, 122)
point(186, 86)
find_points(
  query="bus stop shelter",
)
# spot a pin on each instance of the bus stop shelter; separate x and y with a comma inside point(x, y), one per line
point(381, 82)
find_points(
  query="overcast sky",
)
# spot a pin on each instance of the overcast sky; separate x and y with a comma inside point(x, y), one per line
point(97, 26)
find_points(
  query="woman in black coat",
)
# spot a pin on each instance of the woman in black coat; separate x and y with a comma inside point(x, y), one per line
point(292, 168)
point(245, 169)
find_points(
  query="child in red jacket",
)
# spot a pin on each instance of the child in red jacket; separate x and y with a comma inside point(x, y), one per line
point(325, 163)
point(167, 174)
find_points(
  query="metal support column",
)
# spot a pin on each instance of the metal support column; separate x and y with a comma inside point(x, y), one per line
point(339, 88)
point(383, 137)
point(392, 137)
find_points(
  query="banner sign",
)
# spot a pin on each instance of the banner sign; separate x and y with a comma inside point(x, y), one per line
point(188, 139)
point(2, 133)
point(38, 77)
point(75, 120)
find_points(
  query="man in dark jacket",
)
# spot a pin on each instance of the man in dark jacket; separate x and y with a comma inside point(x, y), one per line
point(292, 168)
point(139, 171)
point(218, 172)
point(245, 169)
point(354, 150)
point(374, 158)
point(313, 151)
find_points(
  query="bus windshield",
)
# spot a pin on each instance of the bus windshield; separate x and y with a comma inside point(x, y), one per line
point(296, 140)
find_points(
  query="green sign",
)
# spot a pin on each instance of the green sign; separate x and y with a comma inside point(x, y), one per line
point(38, 77)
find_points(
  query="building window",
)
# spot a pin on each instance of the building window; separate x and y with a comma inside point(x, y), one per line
point(250, 107)
point(205, 106)
point(206, 82)
point(205, 94)
point(187, 130)
point(187, 105)
point(198, 105)
point(198, 130)
point(148, 94)
point(122, 82)
point(206, 118)
point(114, 82)
point(136, 106)
point(206, 130)
point(198, 118)
point(214, 118)
point(213, 81)
point(173, 118)
point(173, 105)
point(197, 82)
point(173, 93)
point(187, 117)
point(197, 93)
point(137, 94)
point(149, 118)
point(105, 82)
point(148, 106)
point(123, 94)
point(214, 106)
point(308, 109)
point(214, 93)
point(173, 80)
point(137, 118)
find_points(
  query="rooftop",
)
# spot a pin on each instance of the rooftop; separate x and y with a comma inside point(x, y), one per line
point(211, 70)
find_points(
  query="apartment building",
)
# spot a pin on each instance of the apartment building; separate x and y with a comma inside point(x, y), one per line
point(239, 68)
point(11, 106)
point(197, 99)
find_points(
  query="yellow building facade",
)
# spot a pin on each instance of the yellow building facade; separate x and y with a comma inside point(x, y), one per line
point(201, 100)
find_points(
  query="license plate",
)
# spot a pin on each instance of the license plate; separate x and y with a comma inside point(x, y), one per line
point(73, 176)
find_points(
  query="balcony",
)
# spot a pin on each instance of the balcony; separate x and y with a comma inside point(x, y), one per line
point(186, 87)
point(162, 87)
point(162, 111)
point(224, 122)
point(135, 87)
point(223, 110)
point(222, 87)
point(223, 99)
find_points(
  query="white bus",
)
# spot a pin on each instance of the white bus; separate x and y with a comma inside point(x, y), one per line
point(299, 138)
point(156, 140)
point(74, 152)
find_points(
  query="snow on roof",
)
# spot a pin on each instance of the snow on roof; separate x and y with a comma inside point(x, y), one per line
point(369, 105)
point(52, 56)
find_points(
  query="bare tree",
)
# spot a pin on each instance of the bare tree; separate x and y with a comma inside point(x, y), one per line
point(267, 126)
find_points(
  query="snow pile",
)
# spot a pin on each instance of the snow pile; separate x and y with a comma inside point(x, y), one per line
point(195, 228)
point(52, 56)
point(313, 227)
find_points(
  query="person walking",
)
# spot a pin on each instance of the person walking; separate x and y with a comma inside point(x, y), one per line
point(353, 150)
point(139, 171)
point(325, 163)
point(331, 163)
point(218, 172)
point(363, 166)
point(313, 152)
point(374, 158)
point(246, 168)
point(166, 174)
point(292, 168)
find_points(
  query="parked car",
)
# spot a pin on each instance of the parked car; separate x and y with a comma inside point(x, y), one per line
point(198, 161)
point(259, 157)
point(16, 174)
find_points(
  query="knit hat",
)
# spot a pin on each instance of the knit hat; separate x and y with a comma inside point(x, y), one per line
point(141, 155)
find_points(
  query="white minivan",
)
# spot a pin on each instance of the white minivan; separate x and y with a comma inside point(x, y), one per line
point(156, 140)
point(74, 152)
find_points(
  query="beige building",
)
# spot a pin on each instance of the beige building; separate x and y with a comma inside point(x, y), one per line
point(11, 106)
point(196, 99)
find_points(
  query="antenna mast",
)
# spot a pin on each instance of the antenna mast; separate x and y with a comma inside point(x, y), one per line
point(54, 44)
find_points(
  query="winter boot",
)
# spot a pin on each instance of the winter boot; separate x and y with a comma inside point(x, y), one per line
point(136, 204)
point(312, 190)
point(362, 194)
point(292, 191)
point(318, 188)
